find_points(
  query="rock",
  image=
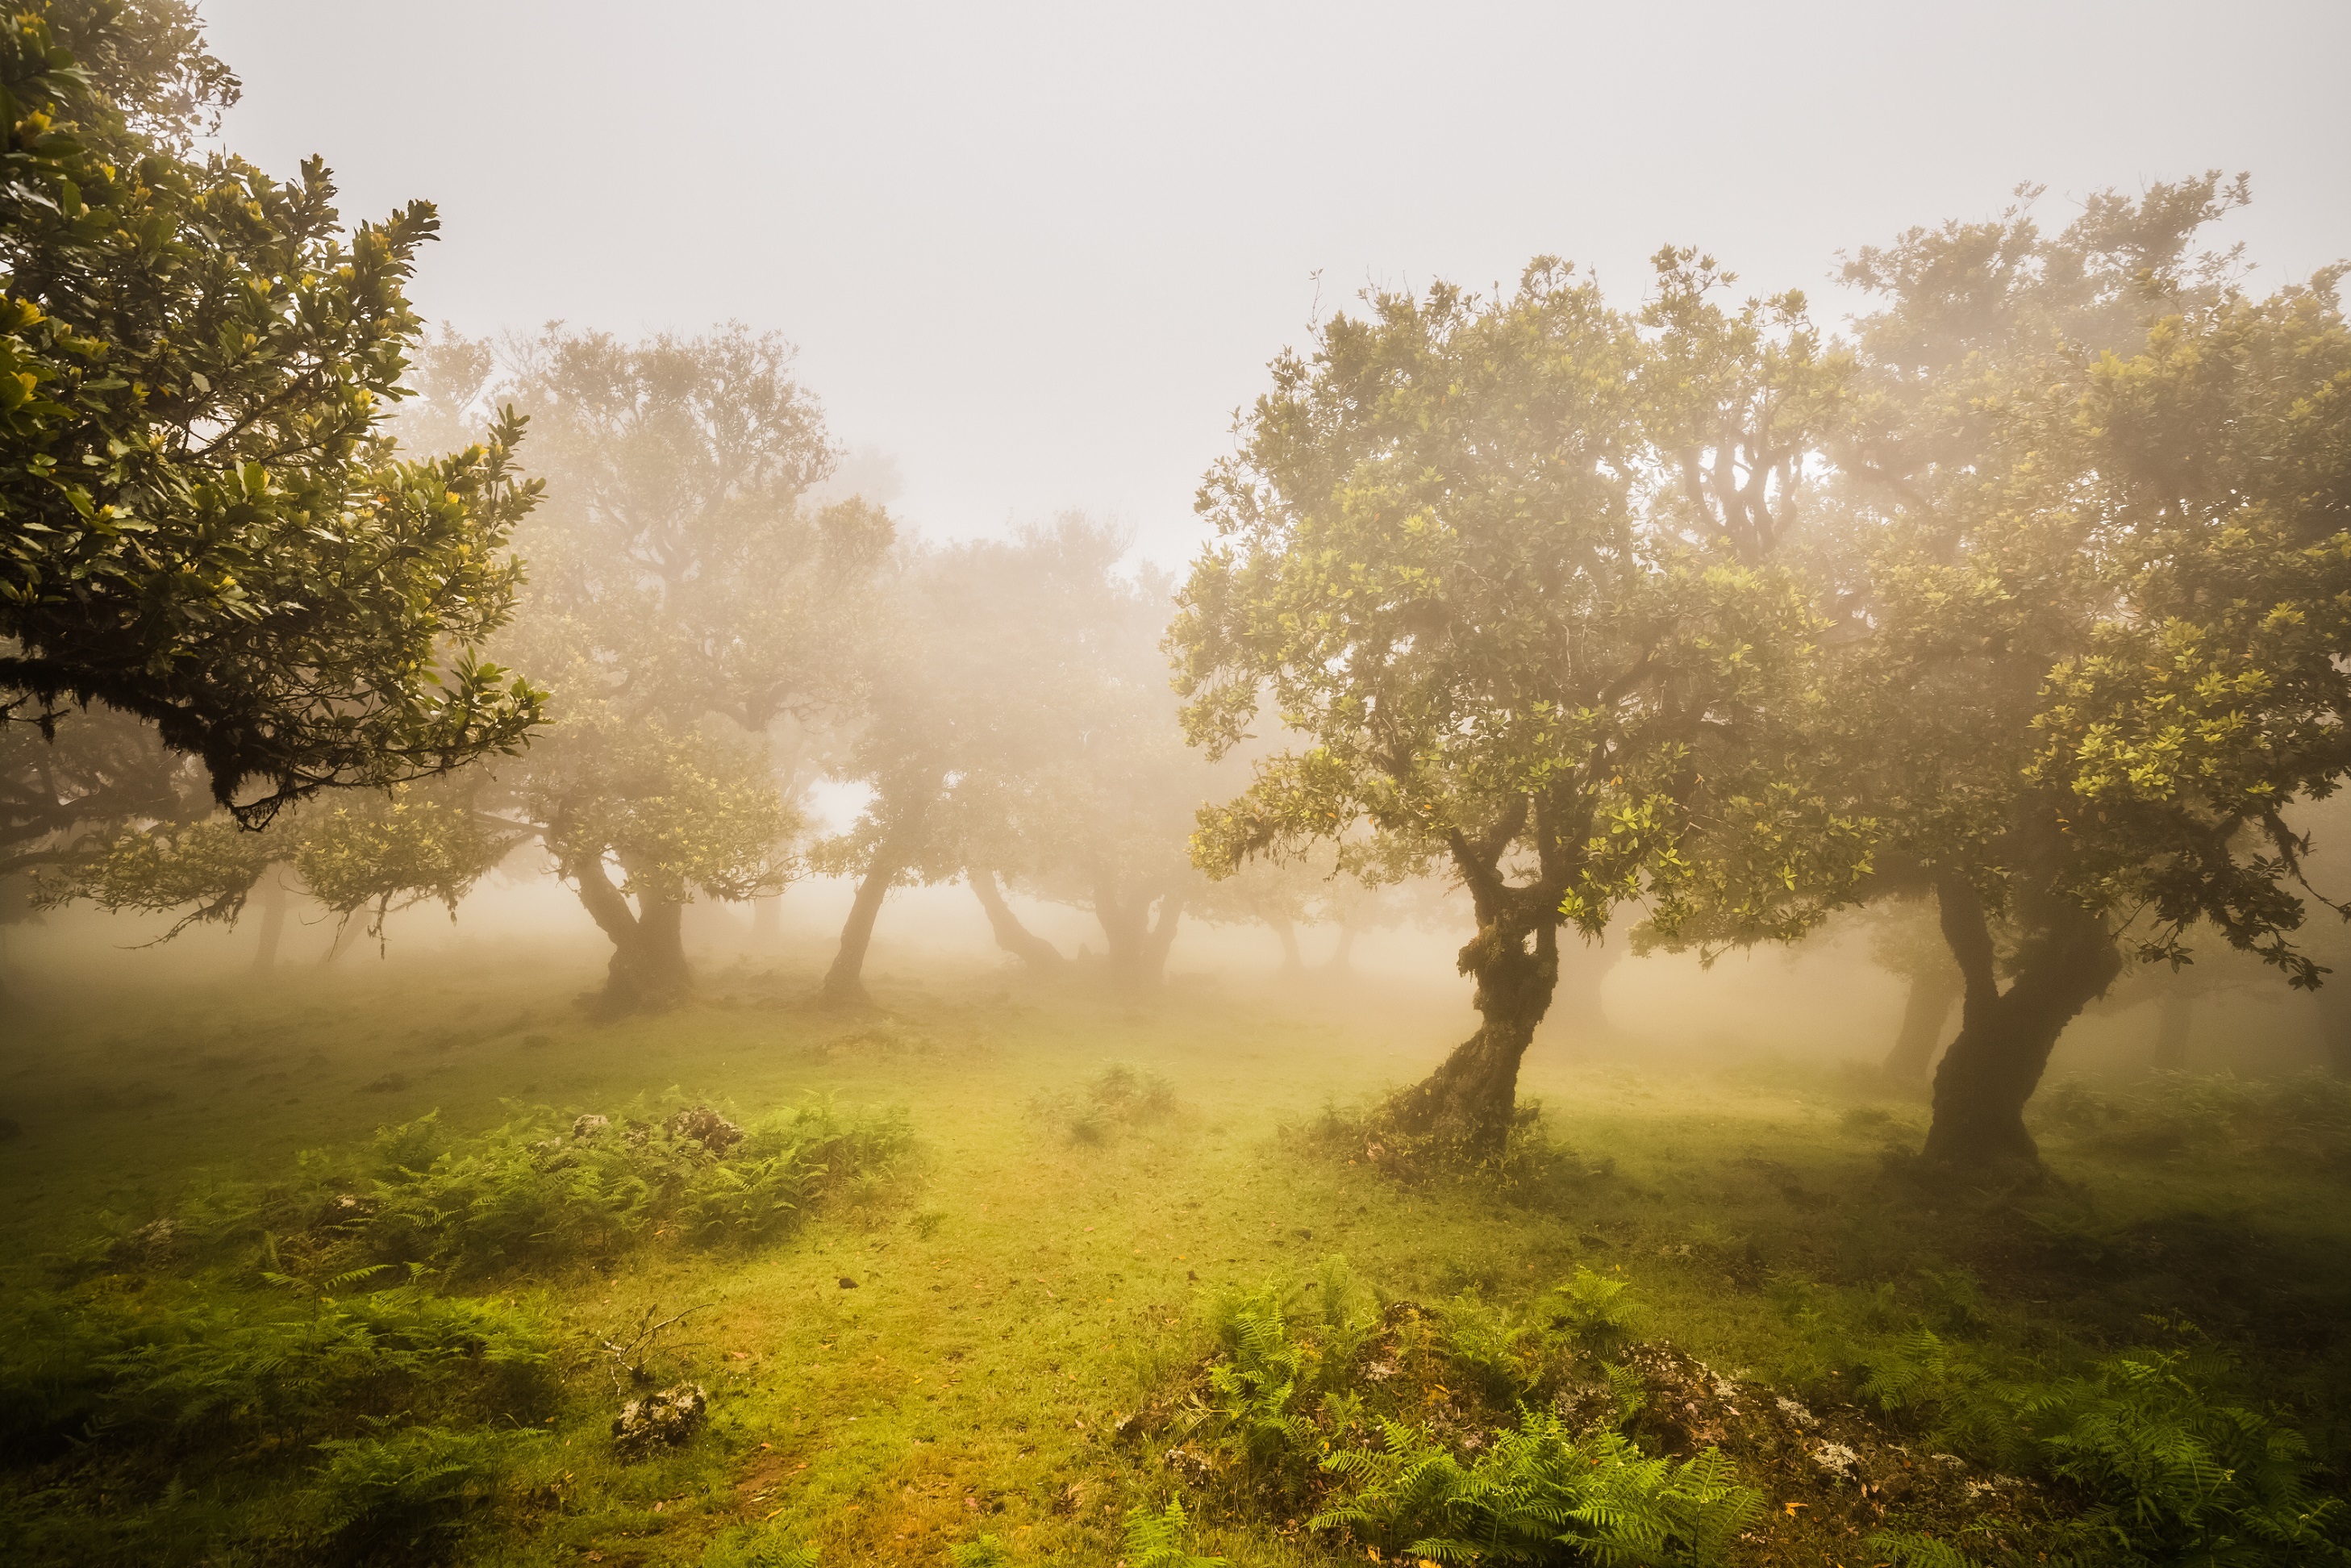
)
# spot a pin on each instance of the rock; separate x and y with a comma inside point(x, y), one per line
point(153, 1242)
point(349, 1209)
point(1837, 1459)
point(847, 1283)
point(585, 1129)
point(706, 1127)
point(666, 1418)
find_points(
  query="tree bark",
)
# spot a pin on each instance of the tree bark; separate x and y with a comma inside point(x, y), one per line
point(1468, 1101)
point(1041, 956)
point(2005, 1037)
point(1924, 1012)
point(1286, 929)
point(2174, 1012)
point(1342, 956)
point(273, 921)
point(844, 982)
point(1138, 933)
point(648, 971)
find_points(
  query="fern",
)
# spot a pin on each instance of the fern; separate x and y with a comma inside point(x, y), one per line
point(1536, 1494)
point(1904, 1550)
point(409, 1479)
point(1160, 1540)
point(1250, 1392)
point(1597, 1313)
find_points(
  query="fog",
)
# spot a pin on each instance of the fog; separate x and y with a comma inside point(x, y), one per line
point(1218, 787)
point(1039, 253)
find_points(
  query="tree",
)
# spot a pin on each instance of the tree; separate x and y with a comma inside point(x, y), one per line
point(2091, 546)
point(1488, 557)
point(1016, 728)
point(686, 602)
point(204, 527)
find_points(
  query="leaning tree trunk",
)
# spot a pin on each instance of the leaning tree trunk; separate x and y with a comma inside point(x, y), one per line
point(844, 982)
point(1467, 1101)
point(1286, 929)
point(648, 971)
point(1924, 1013)
point(1041, 956)
point(2005, 1037)
point(273, 922)
point(1341, 960)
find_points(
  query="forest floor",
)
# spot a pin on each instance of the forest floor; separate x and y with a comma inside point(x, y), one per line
point(957, 1343)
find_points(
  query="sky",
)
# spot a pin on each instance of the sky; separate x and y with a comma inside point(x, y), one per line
point(1035, 258)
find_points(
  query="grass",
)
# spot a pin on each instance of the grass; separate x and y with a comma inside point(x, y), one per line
point(937, 1357)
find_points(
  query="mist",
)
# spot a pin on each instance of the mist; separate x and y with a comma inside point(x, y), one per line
point(790, 786)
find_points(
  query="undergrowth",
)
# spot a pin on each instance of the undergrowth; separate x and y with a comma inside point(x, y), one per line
point(276, 1372)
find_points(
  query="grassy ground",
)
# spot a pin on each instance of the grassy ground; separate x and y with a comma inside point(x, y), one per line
point(948, 1347)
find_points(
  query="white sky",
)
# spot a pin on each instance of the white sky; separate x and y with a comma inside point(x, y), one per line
point(1039, 254)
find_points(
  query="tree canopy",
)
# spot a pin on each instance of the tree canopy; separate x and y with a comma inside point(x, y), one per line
point(1456, 554)
point(2088, 540)
point(205, 526)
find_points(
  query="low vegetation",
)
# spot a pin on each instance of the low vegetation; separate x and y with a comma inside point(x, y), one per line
point(1017, 1298)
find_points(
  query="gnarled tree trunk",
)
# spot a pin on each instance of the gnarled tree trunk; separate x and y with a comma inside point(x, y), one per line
point(1286, 929)
point(273, 921)
point(1139, 931)
point(1011, 936)
point(844, 982)
point(1924, 1012)
point(648, 971)
point(2005, 1037)
point(1469, 1100)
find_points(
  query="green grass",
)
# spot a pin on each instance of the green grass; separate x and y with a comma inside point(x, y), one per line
point(1087, 1179)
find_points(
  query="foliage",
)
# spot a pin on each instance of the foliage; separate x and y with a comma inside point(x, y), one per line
point(543, 1187)
point(1538, 1494)
point(1437, 564)
point(2171, 1469)
point(409, 1481)
point(185, 1374)
point(1253, 1389)
point(1597, 1313)
point(2304, 1119)
point(1160, 1540)
point(207, 527)
point(1909, 1551)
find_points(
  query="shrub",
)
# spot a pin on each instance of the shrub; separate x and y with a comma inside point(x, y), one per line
point(1596, 1312)
point(1251, 1391)
point(2172, 1471)
point(408, 1483)
point(546, 1186)
point(1537, 1495)
point(1159, 1539)
point(285, 1369)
